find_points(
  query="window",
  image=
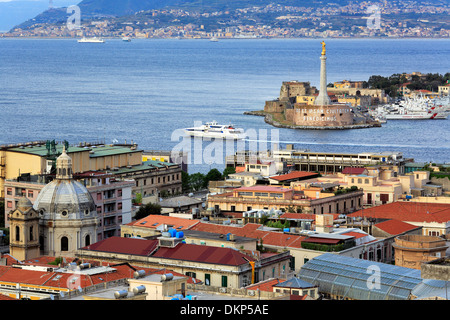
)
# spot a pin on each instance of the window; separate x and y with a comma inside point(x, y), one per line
point(224, 281)
point(207, 279)
point(30, 194)
point(9, 191)
point(119, 192)
point(276, 195)
point(366, 181)
point(261, 194)
point(31, 233)
point(119, 206)
point(9, 204)
point(99, 196)
point(17, 233)
point(64, 244)
point(87, 240)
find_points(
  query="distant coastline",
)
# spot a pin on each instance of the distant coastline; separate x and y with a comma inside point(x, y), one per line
point(2, 36)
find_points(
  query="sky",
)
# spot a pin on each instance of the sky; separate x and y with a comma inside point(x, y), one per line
point(14, 12)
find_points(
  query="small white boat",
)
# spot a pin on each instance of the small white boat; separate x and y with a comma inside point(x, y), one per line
point(126, 39)
point(91, 40)
point(215, 130)
point(213, 39)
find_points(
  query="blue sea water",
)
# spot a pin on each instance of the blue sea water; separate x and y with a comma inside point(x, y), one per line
point(145, 90)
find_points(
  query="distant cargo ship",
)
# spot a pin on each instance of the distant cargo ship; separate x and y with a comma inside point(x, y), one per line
point(91, 40)
point(215, 130)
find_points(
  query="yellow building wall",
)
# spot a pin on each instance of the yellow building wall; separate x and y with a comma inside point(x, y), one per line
point(17, 163)
point(80, 161)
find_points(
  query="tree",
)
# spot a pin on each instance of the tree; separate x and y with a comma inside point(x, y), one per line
point(213, 175)
point(197, 181)
point(185, 181)
point(149, 208)
point(227, 171)
point(137, 199)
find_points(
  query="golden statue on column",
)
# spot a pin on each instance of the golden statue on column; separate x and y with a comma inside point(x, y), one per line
point(323, 48)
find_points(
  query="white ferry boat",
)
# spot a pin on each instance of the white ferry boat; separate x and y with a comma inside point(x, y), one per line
point(91, 40)
point(215, 130)
point(126, 39)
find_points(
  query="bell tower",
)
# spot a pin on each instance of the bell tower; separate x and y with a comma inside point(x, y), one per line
point(24, 234)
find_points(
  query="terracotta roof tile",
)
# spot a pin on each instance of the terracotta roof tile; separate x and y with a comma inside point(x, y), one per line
point(266, 285)
point(203, 254)
point(408, 211)
point(294, 175)
point(250, 230)
point(395, 227)
point(352, 170)
point(154, 220)
point(264, 188)
point(140, 247)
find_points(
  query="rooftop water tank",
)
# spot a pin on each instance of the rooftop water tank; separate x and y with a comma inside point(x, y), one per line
point(167, 277)
point(180, 234)
point(139, 274)
point(139, 289)
point(120, 294)
point(173, 233)
point(84, 265)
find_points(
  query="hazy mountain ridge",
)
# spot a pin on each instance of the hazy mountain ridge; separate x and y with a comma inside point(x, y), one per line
point(92, 9)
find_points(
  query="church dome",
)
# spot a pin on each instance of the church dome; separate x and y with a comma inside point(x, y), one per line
point(64, 197)
point(24, 204)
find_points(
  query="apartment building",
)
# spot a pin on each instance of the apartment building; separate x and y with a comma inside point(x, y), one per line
point(316, 199)
point(124, 161)
point(322, 162)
